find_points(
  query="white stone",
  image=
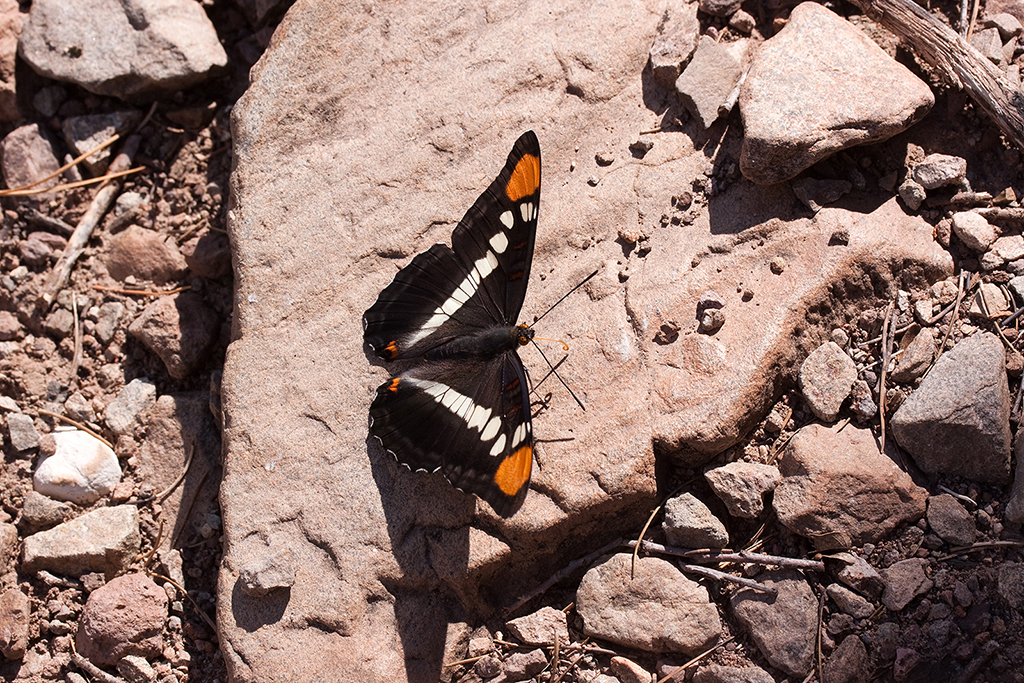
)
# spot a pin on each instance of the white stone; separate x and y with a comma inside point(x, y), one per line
point(973, 230)
point(82, 470)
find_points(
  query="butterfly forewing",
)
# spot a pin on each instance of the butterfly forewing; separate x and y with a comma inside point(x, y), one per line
point(509, 206)
point(479, 282)
point(466, 412)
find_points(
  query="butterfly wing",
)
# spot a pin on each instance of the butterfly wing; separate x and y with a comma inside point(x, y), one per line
point(469, 420)
point(479, 282)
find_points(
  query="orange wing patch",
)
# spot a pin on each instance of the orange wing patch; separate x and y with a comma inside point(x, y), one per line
point(392, 349)
point(525, 178)
point(394, 384)
point(514, 470)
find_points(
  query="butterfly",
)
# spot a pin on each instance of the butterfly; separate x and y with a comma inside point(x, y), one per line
point(463, 406)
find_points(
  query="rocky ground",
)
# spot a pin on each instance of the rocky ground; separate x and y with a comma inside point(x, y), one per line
point(110, 553)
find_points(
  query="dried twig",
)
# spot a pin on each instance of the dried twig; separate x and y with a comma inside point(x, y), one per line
point(716, 575)
point(985, 545)
point(962, 286)
point(94, 672)
point(76, 359)
point(140, 292)
point(204, 615)
point(974, 20)
point(27, 189)
point(643, 532)
point(113, 175)
point(76, 424)
point(821, 626)
point(674, 673)
point(39, 219)
point(886, 356)
point(83, 231)
point(1017, 401)
point(468, 660)
point(185, 511)
point(570, 667)
point(741, 557)
point(959, 496)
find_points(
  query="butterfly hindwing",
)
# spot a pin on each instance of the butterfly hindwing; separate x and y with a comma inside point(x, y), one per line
point(470, 421)
point(480, 281)
point(463, 408)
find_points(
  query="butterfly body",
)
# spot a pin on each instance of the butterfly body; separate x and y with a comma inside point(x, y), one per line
point(462, 408)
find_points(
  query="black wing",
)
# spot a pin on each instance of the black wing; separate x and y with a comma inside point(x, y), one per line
point(479, 282)
point(470, 420)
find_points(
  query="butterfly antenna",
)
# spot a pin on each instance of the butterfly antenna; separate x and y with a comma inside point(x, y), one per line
point(555, 372)
point(585, 281)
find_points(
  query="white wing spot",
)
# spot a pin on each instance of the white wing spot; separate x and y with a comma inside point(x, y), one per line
point(479, 418)
point(526, 209)
point(499, 243)
point(507, 219)
point(519, 436)
point(498, 446)
point(491, 430)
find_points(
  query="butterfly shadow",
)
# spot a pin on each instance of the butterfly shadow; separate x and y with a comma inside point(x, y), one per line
point(428, 528)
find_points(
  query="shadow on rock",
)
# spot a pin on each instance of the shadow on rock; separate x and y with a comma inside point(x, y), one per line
point(427, 524)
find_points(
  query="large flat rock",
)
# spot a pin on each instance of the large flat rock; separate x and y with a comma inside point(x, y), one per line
point(344, 172)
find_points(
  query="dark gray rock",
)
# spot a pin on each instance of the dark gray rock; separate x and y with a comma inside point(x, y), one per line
point(849, 602)
point(1011, 584)
point(958, 421)
point(135, 397)
point(848, 663)
point(904, 581)
point(690, 524)
point(861, 576)
point(84, 133)
point(719, 8)
point(950, 520)
point(784, 627)
point(22, 431)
